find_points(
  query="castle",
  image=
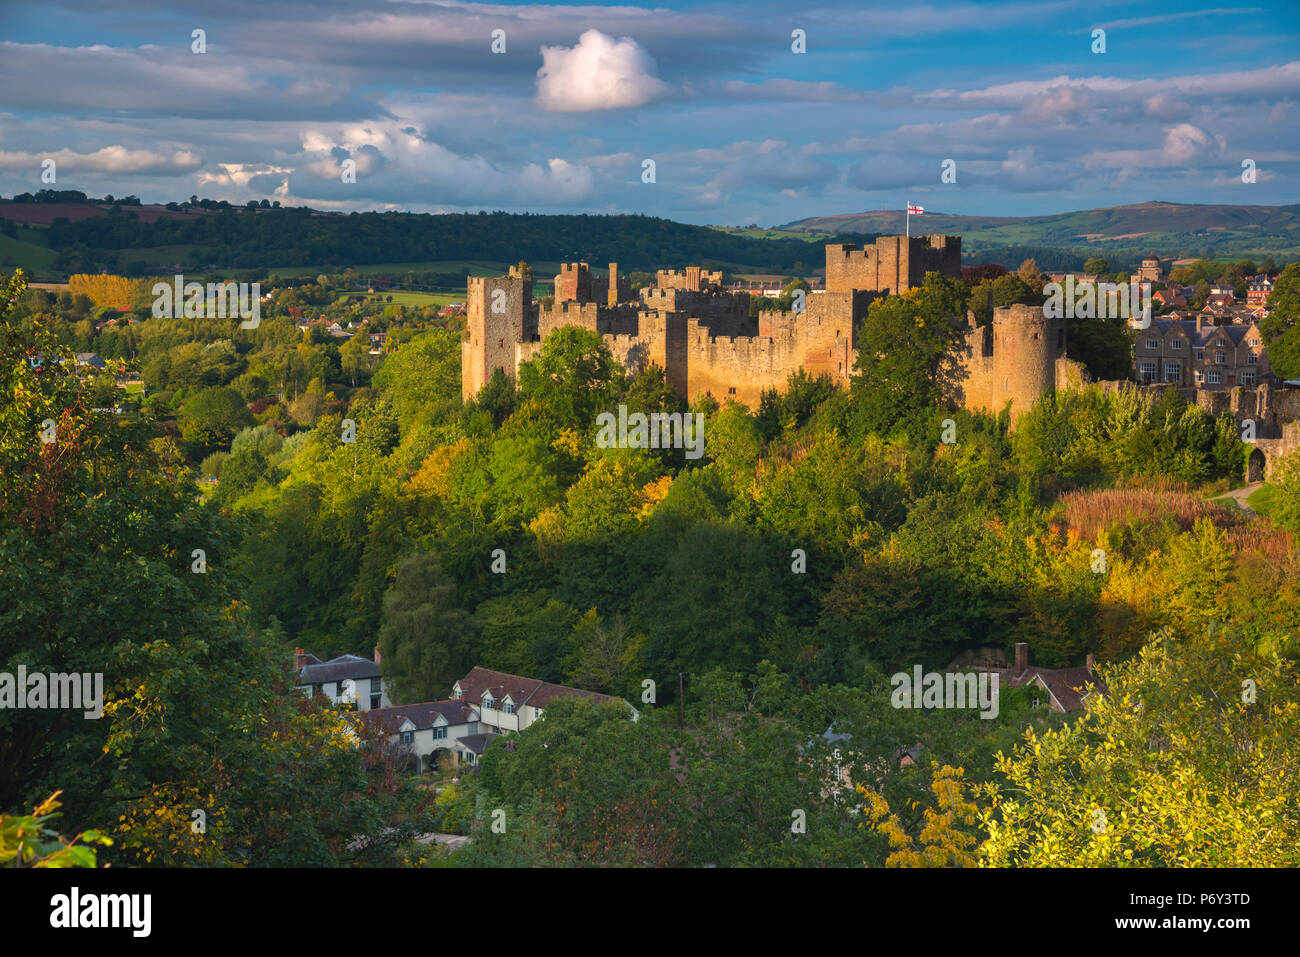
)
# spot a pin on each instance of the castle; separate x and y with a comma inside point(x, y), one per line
point(703, 338)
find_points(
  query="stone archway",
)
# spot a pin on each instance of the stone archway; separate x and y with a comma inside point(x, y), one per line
point(1255, 463)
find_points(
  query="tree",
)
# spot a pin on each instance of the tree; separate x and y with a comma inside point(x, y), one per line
point(1096, 266)
point(355, 357)
point(425, 639)
point(1281, 330)
point(210, 419)
point(602, 653)
point(1188, 760)
point(907, 357)
point(573, 377)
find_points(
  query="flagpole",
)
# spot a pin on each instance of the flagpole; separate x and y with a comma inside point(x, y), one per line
point(909, 220)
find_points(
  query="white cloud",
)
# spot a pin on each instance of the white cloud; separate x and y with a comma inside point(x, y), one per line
point(109, 159)
point(600, 73)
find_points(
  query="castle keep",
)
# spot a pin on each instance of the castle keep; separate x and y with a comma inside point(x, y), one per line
point(701, 334)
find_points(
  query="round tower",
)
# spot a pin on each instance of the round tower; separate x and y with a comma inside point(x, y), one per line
point(1026, 345)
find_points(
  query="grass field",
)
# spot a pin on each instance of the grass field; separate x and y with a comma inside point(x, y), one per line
point(1261, 500)
point(403, 298)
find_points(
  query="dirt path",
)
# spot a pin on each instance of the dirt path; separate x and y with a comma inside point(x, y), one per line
point(1241, 494)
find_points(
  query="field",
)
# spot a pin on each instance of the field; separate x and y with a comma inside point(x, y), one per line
point(411, 299)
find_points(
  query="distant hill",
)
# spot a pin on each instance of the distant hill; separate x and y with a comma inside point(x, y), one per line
point(1121, 232)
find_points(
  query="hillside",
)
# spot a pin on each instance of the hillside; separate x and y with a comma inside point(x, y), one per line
point(1167, 229)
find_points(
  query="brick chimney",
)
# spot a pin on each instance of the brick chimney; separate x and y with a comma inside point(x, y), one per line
point(1200, 321)
point(1090, 662)
point(1022, 657)
point(378, 659)
point(299, 658)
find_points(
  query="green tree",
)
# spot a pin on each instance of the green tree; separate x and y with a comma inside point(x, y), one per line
point(426, 640)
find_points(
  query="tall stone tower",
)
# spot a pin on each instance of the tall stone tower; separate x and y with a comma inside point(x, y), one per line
point(893, 264)
point(1015, 358)
point(499, 315)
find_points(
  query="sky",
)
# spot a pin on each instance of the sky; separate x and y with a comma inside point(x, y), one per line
point(1037, 111)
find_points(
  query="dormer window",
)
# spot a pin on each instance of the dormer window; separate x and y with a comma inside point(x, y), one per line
point(488, 702)
point(510, 707)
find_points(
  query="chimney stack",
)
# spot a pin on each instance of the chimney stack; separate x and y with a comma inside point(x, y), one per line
point(299, 659)
point(1089, 663)
point(1022, 657)
point(378, 659)
point(1200, 321)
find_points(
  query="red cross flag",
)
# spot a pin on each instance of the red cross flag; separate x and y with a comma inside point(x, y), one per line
point(915, 210)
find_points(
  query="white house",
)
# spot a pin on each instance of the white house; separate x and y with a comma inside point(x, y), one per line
point(348, 679)
point(511, 703)
point(436, 733)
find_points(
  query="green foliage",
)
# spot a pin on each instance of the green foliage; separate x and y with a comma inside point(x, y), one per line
point(906, 356)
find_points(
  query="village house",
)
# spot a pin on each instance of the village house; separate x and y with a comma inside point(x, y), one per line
point(1066, 689)
point(511, 703)
point(1194, 353)
point(349, 680)
point(435, 735)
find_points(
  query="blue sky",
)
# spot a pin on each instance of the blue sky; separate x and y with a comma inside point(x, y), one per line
point(740, 127)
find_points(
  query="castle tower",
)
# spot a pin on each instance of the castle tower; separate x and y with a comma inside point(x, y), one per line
point(573, 283)
point(498, 310)
point(1026, 345)
point(893, 264)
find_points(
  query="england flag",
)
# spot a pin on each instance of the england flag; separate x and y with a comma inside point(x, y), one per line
point(915, 210)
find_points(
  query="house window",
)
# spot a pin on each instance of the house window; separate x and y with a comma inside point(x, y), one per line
point(489, 703)
point(1148, 371)
point(406, 737)
point(439, 733)
point(1200, 376)
point(1215, 377)
point(1153, 343)
point(510, 707)
point(1252, 342)
point(471, 728)
point(1200, 355)
point(376, 694)
point(1177, 344)
point(1248, 377)
point(1173, 371)
point(1252, 359)
point(731, 391)
point(1218, 357)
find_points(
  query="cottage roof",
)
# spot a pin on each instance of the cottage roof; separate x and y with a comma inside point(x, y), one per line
point(338, 669)
point(423, 715)
point(520, 690)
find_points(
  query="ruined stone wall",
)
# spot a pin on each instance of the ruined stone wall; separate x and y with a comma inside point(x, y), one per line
point(573, 283)
point(735, 367)
point(893, 264)
point(724, 313)
point(499, 315)
point(693, 278)
point(1016, 359)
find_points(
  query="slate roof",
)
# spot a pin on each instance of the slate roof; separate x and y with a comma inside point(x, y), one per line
point(1235, 331)
point(422, 715)
point(520, 690)
point(1067, 685)
point(338, 669)
point(478, 743)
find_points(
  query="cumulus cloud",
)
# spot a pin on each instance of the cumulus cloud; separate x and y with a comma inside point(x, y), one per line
point(109, 159)
point(600, 73)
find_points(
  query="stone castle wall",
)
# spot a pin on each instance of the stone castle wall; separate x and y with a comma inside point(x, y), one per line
point(893, 264)
point(703, 339)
